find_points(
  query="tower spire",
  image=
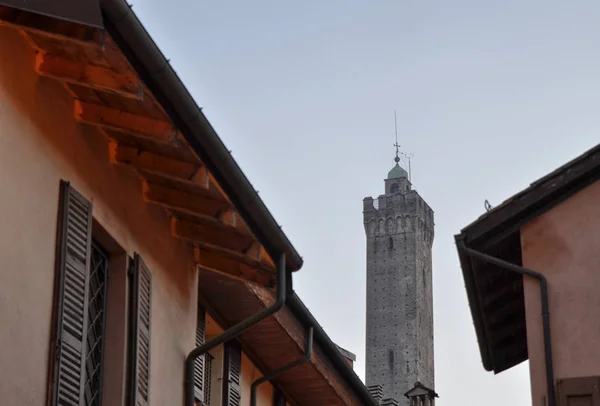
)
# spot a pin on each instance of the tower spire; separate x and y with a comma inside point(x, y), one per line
point(397, 159)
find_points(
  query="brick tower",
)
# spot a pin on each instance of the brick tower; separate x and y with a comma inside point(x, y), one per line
point(399, 228)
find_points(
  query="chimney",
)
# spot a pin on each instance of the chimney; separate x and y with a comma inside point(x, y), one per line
point(376, 392)
point(350, 358)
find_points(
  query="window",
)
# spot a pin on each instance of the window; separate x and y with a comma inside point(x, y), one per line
point(394, 188)
point(139, 333)
point(222, 375)
point(579, 391)
point(96, 325)
point(79, 318)
point(208, 360)
point(232, 374)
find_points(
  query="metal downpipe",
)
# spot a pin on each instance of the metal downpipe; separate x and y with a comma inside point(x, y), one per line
point(234, 331)
point(274, 374)
point(545, 309)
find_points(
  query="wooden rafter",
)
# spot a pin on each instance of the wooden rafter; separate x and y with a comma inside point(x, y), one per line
point(85, 74)
point(200, 203)
point(207, 230)
point(232, 218)
point(117, 120)
point(109, 95)
point(173, 150)
point(51, 28)
point(145, 160)
point(237, 268)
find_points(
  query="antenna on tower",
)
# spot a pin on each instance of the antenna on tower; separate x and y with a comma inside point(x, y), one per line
point(408, 158)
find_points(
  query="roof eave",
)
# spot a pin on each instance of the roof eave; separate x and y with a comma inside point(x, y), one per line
point(538, 198)
point(300, 310)
point(497, 225)
point(474, 305)
point(155, 70)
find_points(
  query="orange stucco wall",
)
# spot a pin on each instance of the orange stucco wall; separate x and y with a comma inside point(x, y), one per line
point(40, 143)
point(564, 245)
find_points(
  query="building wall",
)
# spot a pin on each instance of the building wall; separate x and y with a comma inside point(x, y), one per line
point(563, 244)
point(399, 331)
point(40, 144)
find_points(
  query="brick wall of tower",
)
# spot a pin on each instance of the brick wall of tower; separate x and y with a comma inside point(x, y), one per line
point(399, 333)
point(425, 345)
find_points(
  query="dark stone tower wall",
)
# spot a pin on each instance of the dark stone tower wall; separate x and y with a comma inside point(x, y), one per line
point(399, 333)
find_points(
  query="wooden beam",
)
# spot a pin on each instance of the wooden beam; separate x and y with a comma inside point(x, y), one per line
point(125, 84)
point(51, 27)
point(502, 336)
point(229, 217)
point(504, 293)
point(233, 268)
point(117, 120)
point(257, 252)
point(233, 218)
point(319, 359)
point(141, 159)
point(506, 314)
point(212, 232)
point(172, 150)
point(184, 201)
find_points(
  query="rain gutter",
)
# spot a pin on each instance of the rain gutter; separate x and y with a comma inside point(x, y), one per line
point(162, 80)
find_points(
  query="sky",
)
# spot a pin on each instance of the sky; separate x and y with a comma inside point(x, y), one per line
point(490, 96)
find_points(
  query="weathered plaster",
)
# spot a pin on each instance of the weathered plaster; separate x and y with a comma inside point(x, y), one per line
point(40, 144)
point(564, 245)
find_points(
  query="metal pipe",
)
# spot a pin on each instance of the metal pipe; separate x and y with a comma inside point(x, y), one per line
point(300, 310)
point(234, 331)
point(545, 309)
point(274, 374)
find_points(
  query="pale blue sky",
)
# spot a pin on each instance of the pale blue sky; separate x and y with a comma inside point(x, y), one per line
point(490, 97)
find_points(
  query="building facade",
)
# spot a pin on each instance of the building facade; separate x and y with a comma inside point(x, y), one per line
point(130, 237)
point(530, 267)
point(399, 227)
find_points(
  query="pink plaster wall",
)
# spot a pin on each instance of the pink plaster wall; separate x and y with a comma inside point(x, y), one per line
point(40, 143)
point(564, 245)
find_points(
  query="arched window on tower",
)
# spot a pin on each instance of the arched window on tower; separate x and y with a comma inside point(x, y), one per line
point(394, 188)
point(391, 242)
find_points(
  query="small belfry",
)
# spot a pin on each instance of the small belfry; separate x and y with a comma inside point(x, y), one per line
point(399, 227)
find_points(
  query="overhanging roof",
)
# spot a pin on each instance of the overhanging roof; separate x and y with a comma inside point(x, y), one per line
point(495, 295)
point(124, 88)
point(326, 379)
point(156, 71)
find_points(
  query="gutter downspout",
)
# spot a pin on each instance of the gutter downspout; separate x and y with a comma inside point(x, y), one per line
point(545, 309)
point(277, 372)
point(234, 331)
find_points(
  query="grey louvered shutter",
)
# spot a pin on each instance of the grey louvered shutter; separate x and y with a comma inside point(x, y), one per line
point(233, 370)
point(73, 250)
point(141, 315)
point(199, 372)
